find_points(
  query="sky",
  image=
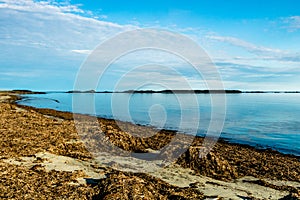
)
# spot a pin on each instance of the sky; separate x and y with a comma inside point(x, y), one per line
point(254, 45)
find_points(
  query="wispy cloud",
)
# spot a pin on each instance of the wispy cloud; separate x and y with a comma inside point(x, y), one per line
point(55, 26)
point(240, 71)
point(292, 23)
point(261, 52)
point(20, 74)
point(50, 37)
point(45, 6)
point(159, 77)
point(258, 50)
point(49, 27)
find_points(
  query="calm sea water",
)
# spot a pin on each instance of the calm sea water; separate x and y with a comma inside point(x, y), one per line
point(264, 120)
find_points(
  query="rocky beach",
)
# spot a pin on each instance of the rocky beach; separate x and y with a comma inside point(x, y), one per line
point(43, 157)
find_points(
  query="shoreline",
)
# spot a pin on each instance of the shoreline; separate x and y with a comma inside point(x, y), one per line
point(227, 164)
point(69, 116)
point(221, 139)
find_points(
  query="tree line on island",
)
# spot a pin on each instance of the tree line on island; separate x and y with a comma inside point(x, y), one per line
point(181, 91)
point(21, 91)
point(160, 91)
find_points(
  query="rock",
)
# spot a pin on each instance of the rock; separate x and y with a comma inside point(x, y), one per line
point(121, 185)
point(212, 165)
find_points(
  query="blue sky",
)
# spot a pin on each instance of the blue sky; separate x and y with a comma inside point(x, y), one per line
point(254, 44)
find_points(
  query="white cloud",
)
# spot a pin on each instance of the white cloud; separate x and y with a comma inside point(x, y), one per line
point(45, 6)
point(82, 51)
point(247, 45)
point(53, 26)
point(20, 74)
point(292, 23)
point(261, 52)
point(50, 37)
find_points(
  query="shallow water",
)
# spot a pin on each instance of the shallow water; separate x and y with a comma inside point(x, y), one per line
point(263, 120)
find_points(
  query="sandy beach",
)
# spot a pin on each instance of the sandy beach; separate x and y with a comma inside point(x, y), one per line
point(43, 157)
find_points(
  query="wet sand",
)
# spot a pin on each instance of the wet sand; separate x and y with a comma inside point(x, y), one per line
point(42, 156)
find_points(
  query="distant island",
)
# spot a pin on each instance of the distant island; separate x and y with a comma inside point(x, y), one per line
point(87, 91)
point(181, 91)
point(160, 91)
point(24, 91)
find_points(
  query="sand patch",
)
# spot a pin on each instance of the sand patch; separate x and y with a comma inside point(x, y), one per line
point(211, 188)
point(4, 98)
point(60, 163)
point(236, 189)
point(173, 174)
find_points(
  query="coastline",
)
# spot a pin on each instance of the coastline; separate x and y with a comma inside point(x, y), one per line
point(227, 164)
point(223, 137)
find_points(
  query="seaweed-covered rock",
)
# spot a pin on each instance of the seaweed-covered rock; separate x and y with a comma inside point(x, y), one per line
point(212, 164)
point(121, 185)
